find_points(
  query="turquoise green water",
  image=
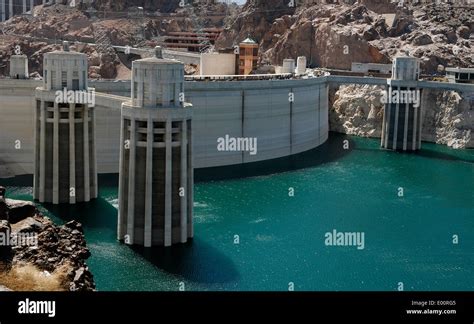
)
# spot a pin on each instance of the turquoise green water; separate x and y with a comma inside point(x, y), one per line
point(408, 239)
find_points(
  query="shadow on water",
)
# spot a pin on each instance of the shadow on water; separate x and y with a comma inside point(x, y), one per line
point(432, 154)
point(195, 261)
point(331, 150)
point(18, 181)
point(98, 213)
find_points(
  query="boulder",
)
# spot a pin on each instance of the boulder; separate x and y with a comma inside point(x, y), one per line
point(27, 225)
point(421, 40)
point(451, 37)
point(464, 32)
point(19, 210)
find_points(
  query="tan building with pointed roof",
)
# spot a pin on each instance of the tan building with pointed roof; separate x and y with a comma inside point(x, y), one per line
point(248, 56)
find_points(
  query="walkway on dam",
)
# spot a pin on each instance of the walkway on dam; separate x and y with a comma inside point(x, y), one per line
point(339, 79)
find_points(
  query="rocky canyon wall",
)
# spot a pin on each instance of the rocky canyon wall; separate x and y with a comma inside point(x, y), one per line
point(334, 36)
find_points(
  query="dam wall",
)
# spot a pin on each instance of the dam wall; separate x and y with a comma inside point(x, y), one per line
point(284, 116)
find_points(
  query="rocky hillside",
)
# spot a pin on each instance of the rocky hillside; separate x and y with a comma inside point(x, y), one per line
point(447, 115)
point(253, 19)
point(166, 6)
point(333, 36)
point(51, 24)
point(57, 261)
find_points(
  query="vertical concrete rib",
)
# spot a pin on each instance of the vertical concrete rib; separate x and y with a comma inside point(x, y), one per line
point(56, 154)
point(405, 129)
point(87, 184)
point(72, 154)
point(131, 184)
point(384, 120)
point(149, 183)
point(10, 8)
point(184, 180)
point(36, 152)
point(388, 108)
point(3, 17)
point(420, 124)
point(23, 6)
point(42, 155)
point(395, 124)
point(120, 227)
point(168, 184)
point(242, 122)
point(291, 122)
point(95, 186)
point(190, 182)
point(415, 128)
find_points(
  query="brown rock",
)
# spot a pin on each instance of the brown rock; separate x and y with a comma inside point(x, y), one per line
point(19, 210)
point(422, 40)
point(464, 32)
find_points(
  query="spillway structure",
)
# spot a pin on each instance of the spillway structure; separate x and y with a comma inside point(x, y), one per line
point(65, 168)
point(156, 157)
point(403, 113)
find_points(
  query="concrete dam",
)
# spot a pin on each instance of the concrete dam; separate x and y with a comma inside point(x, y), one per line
point(286, 116)
point(283, 115)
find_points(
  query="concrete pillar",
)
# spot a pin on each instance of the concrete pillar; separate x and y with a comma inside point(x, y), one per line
point(42, 155)
point(3, 8)
point(395, 125)
point(87, 184)
point(149, 183)
point(184, 181)
point(168, 184)
point(32, 5)
point(120, 228)
point(190, 183)
point(415, 128)
point(419, 123)
point(131, 184)
point(72, 154)
point(94, 177)
point(405, 128)
point(78, 151)
point(384, 126)
point(160, 212)
point(56, 154)
point(10, 3)
point(24, 6)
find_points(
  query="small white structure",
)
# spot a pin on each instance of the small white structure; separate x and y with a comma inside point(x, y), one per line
point(367, 68)
point(301, 65)
point(460, 75)
point(288, 66)
point(406, 68)
point(217, 64)
point(18, 67)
